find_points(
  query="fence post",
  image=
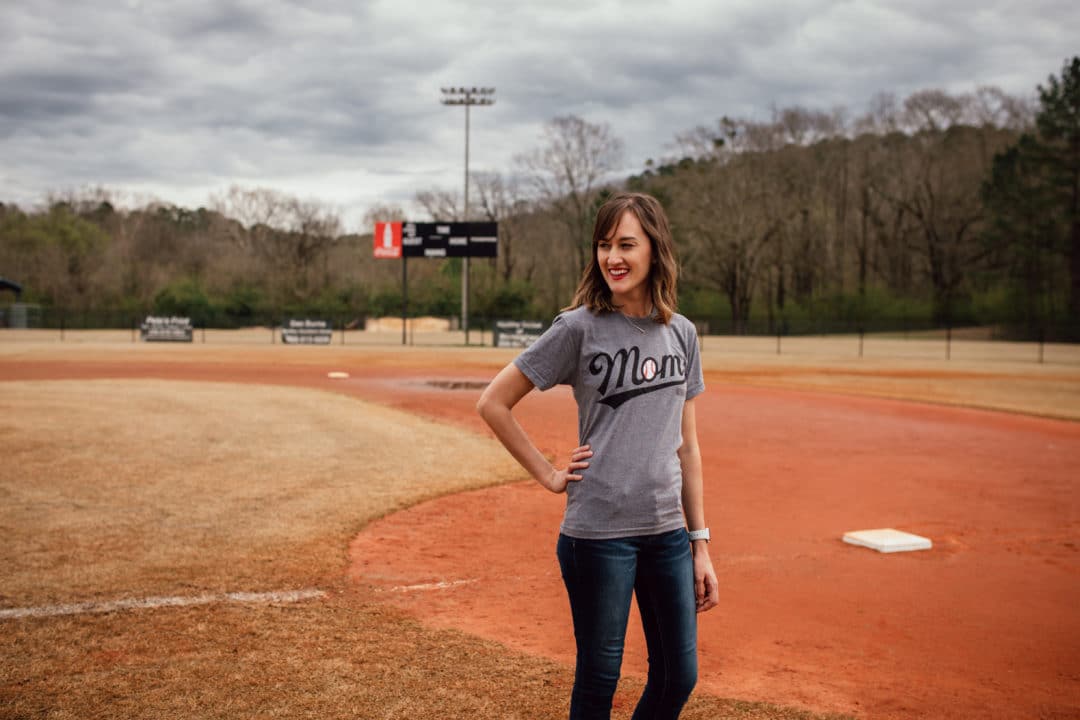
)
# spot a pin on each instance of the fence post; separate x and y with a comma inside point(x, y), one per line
point(948, 341)
point(1042, 342)
point(861, 332)
point(62, 319)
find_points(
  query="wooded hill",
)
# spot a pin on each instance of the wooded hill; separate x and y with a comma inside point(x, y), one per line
point(936, 210)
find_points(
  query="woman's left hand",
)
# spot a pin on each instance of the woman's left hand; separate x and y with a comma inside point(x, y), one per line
point(706, 587)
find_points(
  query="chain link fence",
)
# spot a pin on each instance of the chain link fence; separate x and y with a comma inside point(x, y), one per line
point(883, 337)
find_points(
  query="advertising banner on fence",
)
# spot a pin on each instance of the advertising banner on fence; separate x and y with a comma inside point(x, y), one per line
point(306, 332)
point(517, 333)
point(166, 329)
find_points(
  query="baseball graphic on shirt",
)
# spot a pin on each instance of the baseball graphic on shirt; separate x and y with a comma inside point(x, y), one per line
point(648, 369)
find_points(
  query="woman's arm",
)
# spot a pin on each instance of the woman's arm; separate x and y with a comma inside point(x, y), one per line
point(495, 405)
point(706, 588)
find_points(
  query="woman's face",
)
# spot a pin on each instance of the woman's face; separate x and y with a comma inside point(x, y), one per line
point(625, 257)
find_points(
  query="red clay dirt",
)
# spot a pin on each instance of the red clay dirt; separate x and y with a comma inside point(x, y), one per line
point(984, 625)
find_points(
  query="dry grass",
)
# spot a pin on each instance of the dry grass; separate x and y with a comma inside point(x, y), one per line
point(338, 658)
point(146, 487)
point(133, 488)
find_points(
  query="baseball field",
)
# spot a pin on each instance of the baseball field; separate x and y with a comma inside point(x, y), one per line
point(222, 530)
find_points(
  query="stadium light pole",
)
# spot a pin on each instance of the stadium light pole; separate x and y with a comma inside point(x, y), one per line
point(467, 97)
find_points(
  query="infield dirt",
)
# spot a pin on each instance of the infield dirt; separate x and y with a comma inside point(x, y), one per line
point(105, 515)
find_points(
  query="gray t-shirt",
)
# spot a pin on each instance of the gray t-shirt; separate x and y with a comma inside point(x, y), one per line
point(631, 377)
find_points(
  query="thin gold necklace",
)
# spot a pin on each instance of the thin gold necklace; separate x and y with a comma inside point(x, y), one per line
point(634, 324)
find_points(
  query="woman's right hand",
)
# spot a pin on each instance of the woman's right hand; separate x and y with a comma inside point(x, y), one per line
point(561, 478)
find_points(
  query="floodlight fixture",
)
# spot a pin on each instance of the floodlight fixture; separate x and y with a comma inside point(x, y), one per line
point(467, 97)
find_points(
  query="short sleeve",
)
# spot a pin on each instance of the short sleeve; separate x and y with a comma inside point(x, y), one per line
point(695, 380)
point(553, 359)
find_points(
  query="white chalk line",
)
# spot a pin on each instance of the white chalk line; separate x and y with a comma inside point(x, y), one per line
point(432, 586)
point(159, 602)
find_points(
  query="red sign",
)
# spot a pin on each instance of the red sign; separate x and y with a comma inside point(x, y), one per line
point(388, 240)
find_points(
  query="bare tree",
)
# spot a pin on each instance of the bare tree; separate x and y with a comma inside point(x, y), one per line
point(881, 118)
point(728, 219)
point(501, 201)
point(383, 213)
point(935, 184)
point(803, 126)
point(934, 110)
point(251, 207)
point(289, 233)
point(567, 173)
point(994, 107)
point(698, 143)
point(440, 205)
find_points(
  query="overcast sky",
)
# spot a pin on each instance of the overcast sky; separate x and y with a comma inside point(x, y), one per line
point(339, 101)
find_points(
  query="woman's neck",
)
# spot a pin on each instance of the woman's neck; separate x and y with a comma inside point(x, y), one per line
point(640, 305)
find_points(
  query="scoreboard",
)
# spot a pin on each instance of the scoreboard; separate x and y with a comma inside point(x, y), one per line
point(436, 240)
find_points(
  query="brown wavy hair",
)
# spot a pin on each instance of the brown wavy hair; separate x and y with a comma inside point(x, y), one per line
point(593, 291)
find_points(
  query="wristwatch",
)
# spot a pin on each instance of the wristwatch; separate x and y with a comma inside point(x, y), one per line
point(702, 534)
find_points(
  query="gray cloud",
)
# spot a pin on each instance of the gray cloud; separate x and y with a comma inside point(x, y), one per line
point(341, 101)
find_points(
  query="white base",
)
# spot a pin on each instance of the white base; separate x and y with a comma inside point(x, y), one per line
point(337, 375)
point(887, 540)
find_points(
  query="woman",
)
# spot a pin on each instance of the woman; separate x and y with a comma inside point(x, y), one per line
point(634, 484)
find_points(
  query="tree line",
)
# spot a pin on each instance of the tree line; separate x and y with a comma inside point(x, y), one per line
point(932, 210)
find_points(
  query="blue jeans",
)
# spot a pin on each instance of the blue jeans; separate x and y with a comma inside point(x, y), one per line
point(600, 576)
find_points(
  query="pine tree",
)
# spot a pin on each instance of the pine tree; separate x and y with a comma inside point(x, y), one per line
point(1033, 200)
